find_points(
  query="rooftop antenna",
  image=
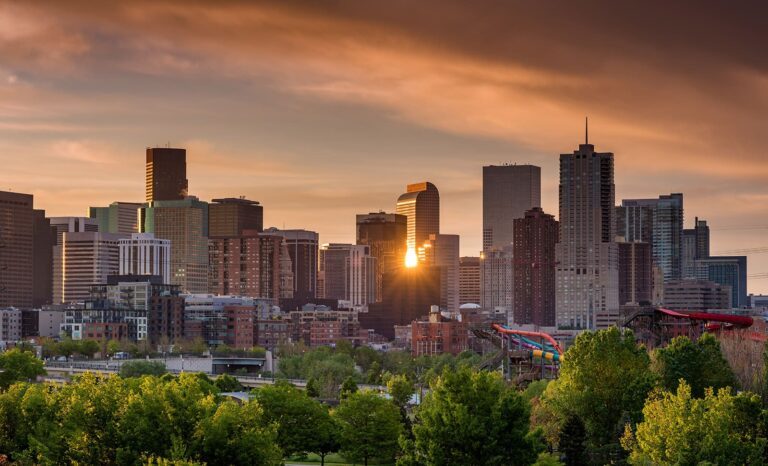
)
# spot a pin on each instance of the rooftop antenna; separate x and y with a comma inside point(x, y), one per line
point(586, 130)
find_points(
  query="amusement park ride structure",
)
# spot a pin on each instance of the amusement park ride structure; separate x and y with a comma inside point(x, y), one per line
point(524, 356)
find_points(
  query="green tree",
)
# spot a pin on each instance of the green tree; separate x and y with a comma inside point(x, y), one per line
point(67, 347)
point(139, 368)
point(313, 390)
point(365, 357)
point(401, 389)
point(348, 387)
point(295, 415)
point(329, 368)
point(113, 346)
point(701, 364)
point(50, 348)
point(572, 442)
point(227, 383)
point(88, 348)
point(548, 459)
point(17, 365)
point(237, 434)
point(327, 435)
point(472, 418)
point(604, 379)
point(370, 427)
point(680, 429)
point(345, 347)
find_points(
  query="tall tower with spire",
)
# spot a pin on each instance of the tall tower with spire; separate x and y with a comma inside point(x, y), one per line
point(587, 255)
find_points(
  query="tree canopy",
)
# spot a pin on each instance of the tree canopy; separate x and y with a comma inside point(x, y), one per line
point(303, 424)
point(680, 429)
point(472, 418)
point(370, 427)
point(17, 365)
point(112, 420)
point(604, 380)
point(139, 368)
point(701, 364)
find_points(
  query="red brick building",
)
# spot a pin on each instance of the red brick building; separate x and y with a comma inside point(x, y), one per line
point(240, 326)
point(166, 318)
point(535, 236)
point(271, 333)
point(324, 327)
point(438, 335)
point(245, 265)
point(105, 330)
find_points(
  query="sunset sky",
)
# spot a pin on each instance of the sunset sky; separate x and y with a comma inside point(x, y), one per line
point(322, 109)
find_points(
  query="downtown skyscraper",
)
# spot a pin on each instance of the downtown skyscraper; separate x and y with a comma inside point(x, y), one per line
point(587, 273)
point(508, 192)
point(166, 174)
point(658, 222)
point(536, 237)
point(386, 235)
point(421, 206)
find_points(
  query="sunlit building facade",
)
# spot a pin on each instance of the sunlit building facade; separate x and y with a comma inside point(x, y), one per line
point(386, 236)
point(166, 174)
point(185, 224)
point(87, 258)
point(421, 206)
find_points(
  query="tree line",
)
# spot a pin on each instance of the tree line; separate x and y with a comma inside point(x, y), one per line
point(613, 403)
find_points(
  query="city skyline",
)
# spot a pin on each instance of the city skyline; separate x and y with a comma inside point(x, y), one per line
point(278, 118)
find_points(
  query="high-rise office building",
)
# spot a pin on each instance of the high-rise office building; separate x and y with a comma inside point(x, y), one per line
point(587, 271)
point(229, 217)
point(332, 271)
point(302, 246)
point(534, 241)
point(658, 222)
point(118, 217)
point(469, 280)
point(386, 235)
point(360, 276)
point(635, 273)
point(728, 271)
point(443, 251)
point(16, 249)
point(246, 265)
point(44, 239)
point(347, 272)
point(166, 174)
point(87, 258)
point(421, 206)
point(496, 281)
point(185, 224)
point(143, 254)
point(60, 226)
point(695, 246)
point(508, 192)
point(63, 225)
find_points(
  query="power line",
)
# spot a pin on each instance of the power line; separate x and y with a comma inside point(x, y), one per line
point(738, 228)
